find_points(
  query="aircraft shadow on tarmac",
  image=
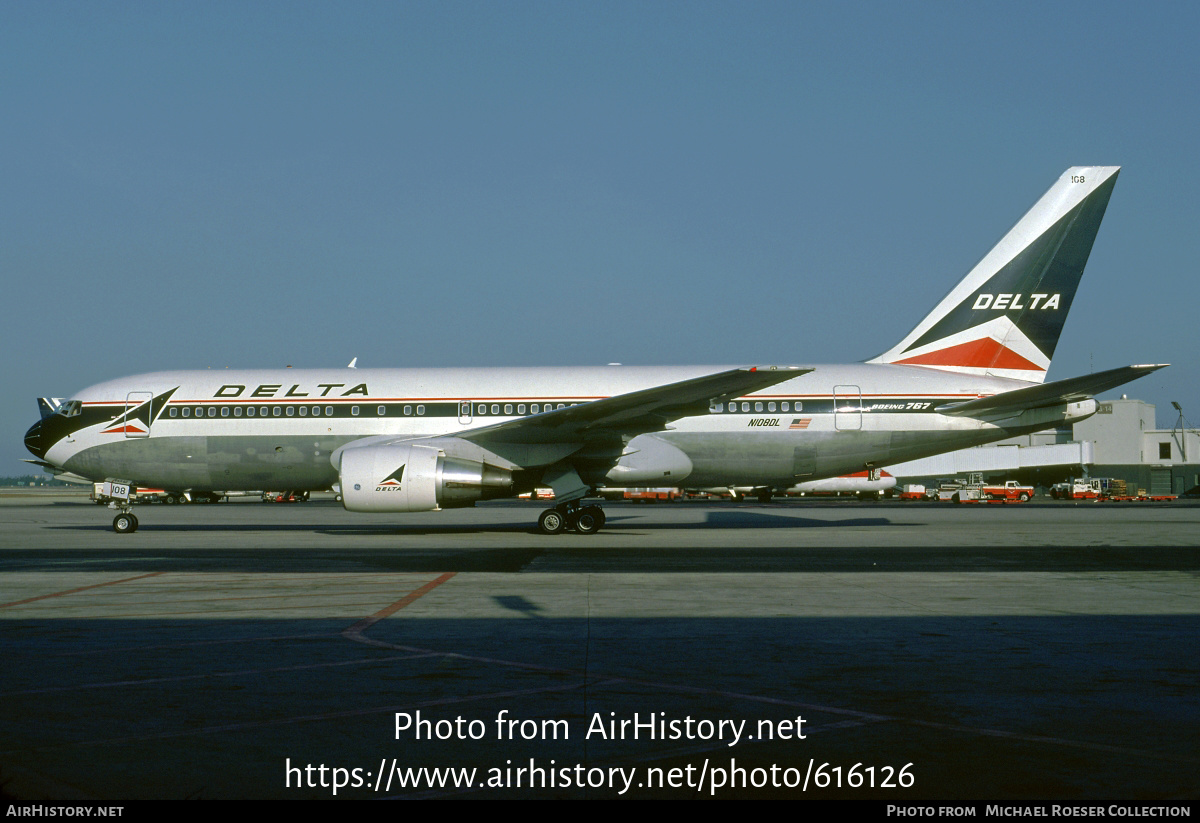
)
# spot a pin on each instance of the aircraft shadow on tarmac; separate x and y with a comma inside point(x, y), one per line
point(736, 519)
point(633, 525)
point(743, 519)
point(577, 556)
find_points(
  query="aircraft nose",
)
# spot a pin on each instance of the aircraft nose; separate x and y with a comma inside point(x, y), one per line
point(33, 440)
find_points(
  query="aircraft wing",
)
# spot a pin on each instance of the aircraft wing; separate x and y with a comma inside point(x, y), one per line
point(636, 412)
point(1071, 390)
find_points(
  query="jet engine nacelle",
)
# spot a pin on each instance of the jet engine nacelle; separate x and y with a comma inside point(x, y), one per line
point(409, 477)
point(649, 460)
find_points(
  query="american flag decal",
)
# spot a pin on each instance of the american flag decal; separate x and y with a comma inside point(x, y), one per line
point(800, 423)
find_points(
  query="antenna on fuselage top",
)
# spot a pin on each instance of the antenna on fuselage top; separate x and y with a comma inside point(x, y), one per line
point(351, 365)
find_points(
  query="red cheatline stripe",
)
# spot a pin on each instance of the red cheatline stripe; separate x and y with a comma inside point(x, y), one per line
point(80, 589)
point(316, 400)
point(321, 401)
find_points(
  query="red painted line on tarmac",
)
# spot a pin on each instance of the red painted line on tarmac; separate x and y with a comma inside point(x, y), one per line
point(80, 589)
point(410, 597)
point(367, 622)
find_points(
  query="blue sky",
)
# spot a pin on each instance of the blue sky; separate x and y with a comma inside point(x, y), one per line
point(195, 185)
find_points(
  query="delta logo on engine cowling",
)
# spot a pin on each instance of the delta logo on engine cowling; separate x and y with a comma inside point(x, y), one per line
point(391, 483)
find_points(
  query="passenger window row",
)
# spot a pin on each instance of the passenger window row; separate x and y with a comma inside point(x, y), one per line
point(758, 406)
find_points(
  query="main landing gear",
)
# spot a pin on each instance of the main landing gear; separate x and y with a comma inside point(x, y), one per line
point(581, 519)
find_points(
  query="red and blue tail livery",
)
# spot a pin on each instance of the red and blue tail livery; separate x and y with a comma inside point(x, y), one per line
point(1004, 319)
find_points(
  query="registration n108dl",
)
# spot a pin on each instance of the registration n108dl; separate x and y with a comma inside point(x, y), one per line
point(120, 491)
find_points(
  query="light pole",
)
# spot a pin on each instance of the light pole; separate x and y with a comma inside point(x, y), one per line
point(1182, 431)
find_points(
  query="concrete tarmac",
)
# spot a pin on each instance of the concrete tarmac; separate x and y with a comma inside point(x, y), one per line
point(798, 649)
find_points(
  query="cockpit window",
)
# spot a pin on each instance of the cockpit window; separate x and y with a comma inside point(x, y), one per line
point(71, 408)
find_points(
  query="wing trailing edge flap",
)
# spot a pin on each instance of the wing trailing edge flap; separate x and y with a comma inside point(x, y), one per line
point(633, 413)
point(1071, 390)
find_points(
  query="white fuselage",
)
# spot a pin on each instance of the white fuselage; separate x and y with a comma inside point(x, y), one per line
point(278, 429)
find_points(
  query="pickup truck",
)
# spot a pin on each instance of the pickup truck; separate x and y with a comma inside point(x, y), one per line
point(1010, 492)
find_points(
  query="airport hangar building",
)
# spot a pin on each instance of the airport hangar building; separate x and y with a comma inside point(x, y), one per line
point(1120, 441)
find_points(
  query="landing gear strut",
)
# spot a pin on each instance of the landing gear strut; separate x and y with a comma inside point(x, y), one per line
point(581, 519)
point(120, 498)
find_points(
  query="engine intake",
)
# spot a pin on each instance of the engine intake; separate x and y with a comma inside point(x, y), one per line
point(409, 477)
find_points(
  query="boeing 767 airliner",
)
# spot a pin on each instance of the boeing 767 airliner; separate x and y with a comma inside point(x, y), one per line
point(405, 440)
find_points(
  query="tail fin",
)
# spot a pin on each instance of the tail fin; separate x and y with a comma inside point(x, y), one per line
point(1005, 317)
point(48, 405)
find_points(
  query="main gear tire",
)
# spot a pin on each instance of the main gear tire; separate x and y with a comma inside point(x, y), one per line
point(552, 521)
point(588, 520)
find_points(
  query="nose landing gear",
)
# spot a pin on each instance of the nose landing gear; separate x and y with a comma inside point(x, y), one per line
point(125, 523)
point(120, 496)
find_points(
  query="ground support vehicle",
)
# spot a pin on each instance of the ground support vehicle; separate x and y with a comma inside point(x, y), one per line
point(137, 495)
point(947, 492)
point(649, 495)
point(975, 490)
point(1115, 491)
point(285, 497)
point(1009, 492)
point(1106, 490)
point(1078, 490)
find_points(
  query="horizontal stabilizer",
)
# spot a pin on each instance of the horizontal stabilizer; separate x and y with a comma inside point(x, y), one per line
point(1071, 390)
point(48, 405)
